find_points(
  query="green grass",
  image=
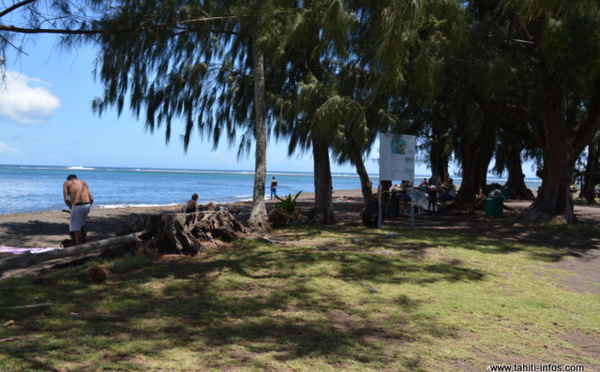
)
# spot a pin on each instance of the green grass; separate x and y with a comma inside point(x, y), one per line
point(420, 302)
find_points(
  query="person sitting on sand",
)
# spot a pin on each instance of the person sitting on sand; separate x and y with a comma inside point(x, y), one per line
point(449, 191)
point(192, 205)
point(432, 192)
point(211, 206)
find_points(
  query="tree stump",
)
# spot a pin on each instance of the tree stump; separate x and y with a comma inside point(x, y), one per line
point(280, 219)
point(185, 233)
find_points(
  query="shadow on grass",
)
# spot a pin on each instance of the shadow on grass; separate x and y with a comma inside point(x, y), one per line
point(571, 239)
point(327, 301)
point(420, 238)
point(246, 302)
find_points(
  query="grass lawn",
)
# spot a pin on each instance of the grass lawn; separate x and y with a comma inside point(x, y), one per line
point(333, 298)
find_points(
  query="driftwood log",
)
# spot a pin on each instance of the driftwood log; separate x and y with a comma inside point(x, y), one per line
point(27, 259)
point(179, 233)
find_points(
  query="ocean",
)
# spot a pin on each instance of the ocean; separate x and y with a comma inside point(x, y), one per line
point(29, 188)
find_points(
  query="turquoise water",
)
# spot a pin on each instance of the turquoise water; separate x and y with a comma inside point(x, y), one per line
point(26, 188)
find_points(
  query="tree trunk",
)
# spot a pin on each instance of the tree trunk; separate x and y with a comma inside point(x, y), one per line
point(180, 233)
point(474, 176)
point(438, 160)
point(323, 184)
point(474, 172)
point(259, 220)
point(188, 233)
point(591, 177)
point(554, 201)
point(516, 179)
point(363, 175)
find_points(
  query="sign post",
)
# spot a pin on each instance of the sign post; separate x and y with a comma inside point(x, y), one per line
point(397, 162)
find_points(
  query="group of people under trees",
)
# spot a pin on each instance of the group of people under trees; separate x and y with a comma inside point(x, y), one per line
point(445, 193)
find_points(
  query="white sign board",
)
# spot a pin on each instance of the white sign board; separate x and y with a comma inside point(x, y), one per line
point(396, 157)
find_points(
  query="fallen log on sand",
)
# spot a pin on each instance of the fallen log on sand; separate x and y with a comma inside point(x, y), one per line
point(27, 259)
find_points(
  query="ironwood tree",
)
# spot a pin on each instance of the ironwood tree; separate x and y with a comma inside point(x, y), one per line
point(555, 48)
point(198, 63)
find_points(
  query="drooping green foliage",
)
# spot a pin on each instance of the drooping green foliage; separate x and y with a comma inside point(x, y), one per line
point(199, 63)
point(177, 69)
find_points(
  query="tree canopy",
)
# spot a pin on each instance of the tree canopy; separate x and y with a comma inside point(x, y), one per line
point(475, 80)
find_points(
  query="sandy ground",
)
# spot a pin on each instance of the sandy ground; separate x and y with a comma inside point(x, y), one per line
point(48, 229)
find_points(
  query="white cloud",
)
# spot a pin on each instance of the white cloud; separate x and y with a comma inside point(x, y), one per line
point(25, 138)
point(217, 155)
point(5, 149)
point(24, 100)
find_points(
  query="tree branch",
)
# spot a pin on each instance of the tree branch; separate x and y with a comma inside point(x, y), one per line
point(506, 107)
point(510, 125)
point(13, 45)
point(16, 6)
point(22, 30)
point(590, 124)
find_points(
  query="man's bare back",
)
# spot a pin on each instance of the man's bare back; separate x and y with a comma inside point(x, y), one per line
point(76, 191)
point(79, 199)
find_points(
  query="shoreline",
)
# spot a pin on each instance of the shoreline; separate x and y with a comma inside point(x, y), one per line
point(304, 196)
point(44, 229)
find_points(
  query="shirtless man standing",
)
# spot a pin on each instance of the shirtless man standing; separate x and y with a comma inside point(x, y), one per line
point(79, 199)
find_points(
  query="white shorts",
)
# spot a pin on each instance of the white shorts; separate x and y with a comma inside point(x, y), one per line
point(78, 216)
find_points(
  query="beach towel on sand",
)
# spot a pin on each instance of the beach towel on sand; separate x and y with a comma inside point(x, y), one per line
point(15, 250)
